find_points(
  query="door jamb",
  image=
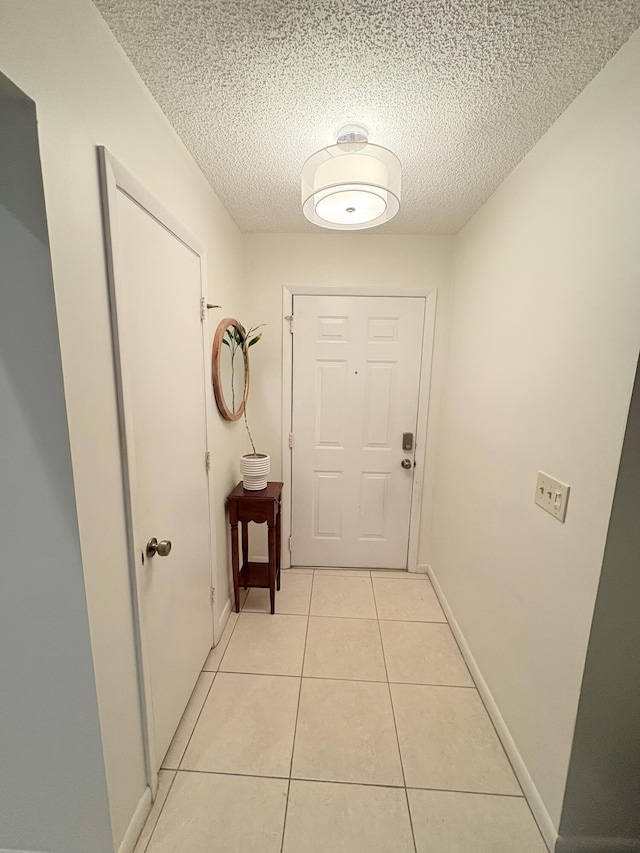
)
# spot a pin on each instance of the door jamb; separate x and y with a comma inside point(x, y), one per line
point(430, 296)
point(113, 177)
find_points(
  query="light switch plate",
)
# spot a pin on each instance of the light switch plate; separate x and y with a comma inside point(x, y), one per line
point(552, 495)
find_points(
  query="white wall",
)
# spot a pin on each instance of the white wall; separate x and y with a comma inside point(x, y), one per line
point(86, 93)
point(48, 705)
point(336, 260)
point(544, 336)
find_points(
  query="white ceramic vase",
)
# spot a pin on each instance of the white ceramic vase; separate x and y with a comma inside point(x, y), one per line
point(255, 470)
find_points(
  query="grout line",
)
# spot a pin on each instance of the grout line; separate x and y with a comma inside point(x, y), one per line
point(504, 751)
point(472, 793)
point(267, 613)
point(259, 674)
point(457, 643)
point(295, 727)
point(339, 678)
point(373, 618)
point(434, 684)
point(393, 716)
point(350, 782)
point(344, 782)
point(400, 787)
point(155, 823)
point(381, 681)
point(236, 773)
point(355, 574)
point(184, 751)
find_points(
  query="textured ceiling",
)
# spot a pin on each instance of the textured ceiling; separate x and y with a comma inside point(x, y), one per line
point(460, 90)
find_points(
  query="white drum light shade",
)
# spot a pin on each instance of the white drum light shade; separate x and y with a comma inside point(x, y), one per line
point(349, 189)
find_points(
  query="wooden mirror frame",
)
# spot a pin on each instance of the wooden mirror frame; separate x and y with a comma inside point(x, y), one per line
point(221, 403)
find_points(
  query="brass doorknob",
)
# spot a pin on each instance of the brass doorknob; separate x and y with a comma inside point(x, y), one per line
point(162, 548)
point(406, 464)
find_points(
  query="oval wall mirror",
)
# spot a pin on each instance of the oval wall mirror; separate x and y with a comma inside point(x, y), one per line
point(230, 369)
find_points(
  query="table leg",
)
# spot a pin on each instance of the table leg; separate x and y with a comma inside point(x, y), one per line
point(234, 563)
point(278, 544)
point(245, 543)
point(272, 566)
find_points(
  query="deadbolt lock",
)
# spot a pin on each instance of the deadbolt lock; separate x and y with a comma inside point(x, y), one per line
point(162, 548)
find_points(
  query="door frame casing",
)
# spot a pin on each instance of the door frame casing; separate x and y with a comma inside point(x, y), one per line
point(115, 177)
point(430, 297)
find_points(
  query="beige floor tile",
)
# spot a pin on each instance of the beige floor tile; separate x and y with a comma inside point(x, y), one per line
point(345, 733)
point(246, 726)
point(423, 653)
point(400, 574)
point(165, 778)
point(413, 601)
point(267, 644)
point(323, 816)
point(293, 597)
point(299, 570)
point(342, 596)
point(447, 741)
point(186, 725)
point(345, 573)
point(228, 814)
point(344, 648)
point(447, 822)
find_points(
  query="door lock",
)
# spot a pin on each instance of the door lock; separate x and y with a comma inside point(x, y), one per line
point(407, 441)
point(406, 464)
point(162, 548)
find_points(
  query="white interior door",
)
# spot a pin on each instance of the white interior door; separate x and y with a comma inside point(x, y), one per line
point(356, 382)
point(157, 285)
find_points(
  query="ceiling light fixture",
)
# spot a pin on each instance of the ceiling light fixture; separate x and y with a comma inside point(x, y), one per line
point(351, 185)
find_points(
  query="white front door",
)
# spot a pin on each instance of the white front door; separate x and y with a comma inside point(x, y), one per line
point(356, 380)
point(157, 288)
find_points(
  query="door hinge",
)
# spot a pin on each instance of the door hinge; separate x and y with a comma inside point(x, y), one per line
point(207, 460)
point(213, 595)
point(290, 542)
point(289, 317)
point(204, 306)
point(291, 440)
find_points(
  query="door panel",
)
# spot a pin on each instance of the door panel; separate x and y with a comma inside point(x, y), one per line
point(157, 286)
point(356, 377)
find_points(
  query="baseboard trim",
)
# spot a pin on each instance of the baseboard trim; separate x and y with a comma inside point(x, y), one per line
point(597, 845)
point(224, 617)
point(7, 850)
point(421, 569)
point(540, 813)
point(134, 829)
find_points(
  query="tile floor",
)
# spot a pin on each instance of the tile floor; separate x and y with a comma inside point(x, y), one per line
point(348, 722)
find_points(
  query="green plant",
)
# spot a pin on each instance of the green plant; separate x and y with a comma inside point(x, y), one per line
point(233, 339)
point(242, 340)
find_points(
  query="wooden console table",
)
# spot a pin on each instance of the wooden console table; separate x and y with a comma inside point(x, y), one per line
point(260, 506)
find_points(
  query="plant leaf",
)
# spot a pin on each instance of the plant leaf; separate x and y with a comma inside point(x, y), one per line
point(225, 342)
